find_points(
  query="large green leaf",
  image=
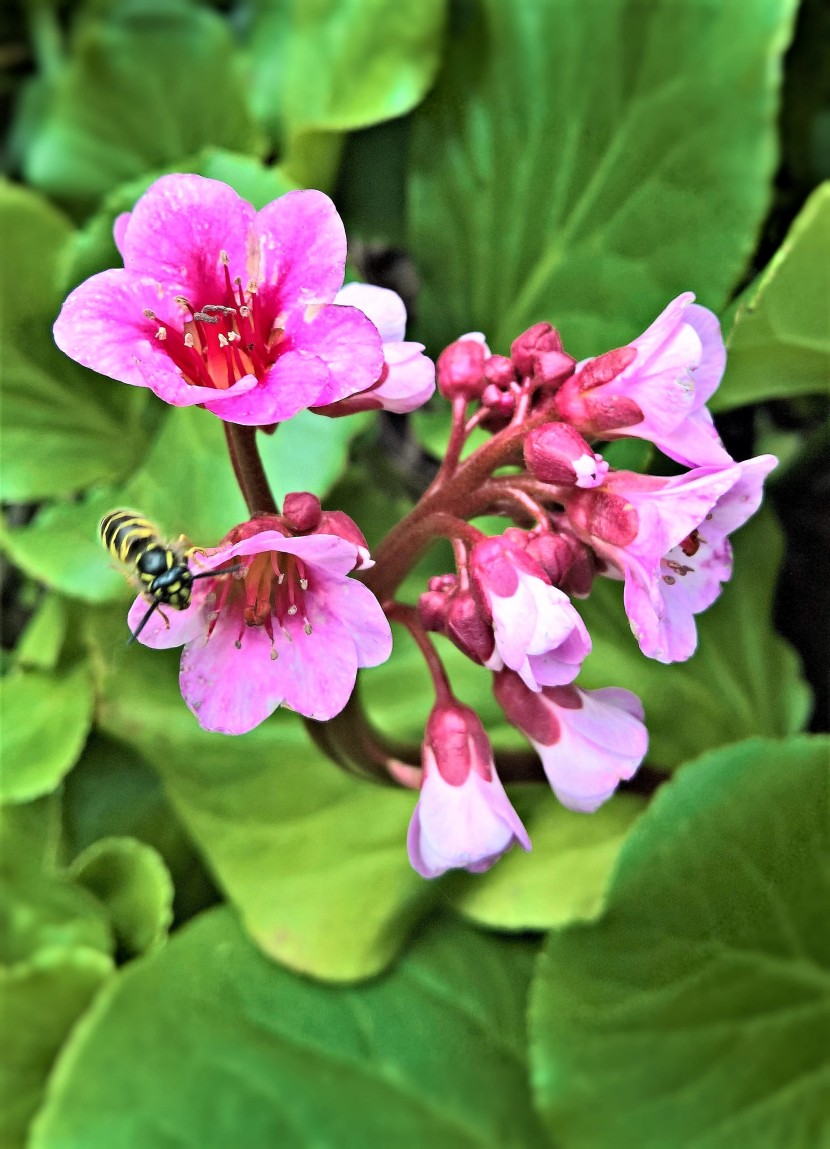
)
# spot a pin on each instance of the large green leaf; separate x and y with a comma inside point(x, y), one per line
point(696, 1012)
point(45, 721)
point(40, 1001)
point(236, 1051)
point(584, 163)
point(744, 678)
point(146, 83)
point(323, 68)
point(779, 345)
point(566, 875)
point(314, 859)
point(62, 426)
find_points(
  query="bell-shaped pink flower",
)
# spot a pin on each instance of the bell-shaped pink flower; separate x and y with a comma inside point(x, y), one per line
point(668, 539)
point(656, 388)
point(589, 740)
point(537, 631)
point(290, 628)
point(463, 819)
point(223, 306)
point(408, 376)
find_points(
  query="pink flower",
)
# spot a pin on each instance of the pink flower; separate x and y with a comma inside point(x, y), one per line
point(290, 628)
point(588, 740)
point(537, 631)
point(463, 819)
point(223, 306)
point(656, 388)
point(557, 453)
point(668, 539)
point(407, 379)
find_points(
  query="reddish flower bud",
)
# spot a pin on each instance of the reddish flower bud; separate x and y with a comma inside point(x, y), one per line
point(568, 562)
point(499, 369)
point(469, 626)
point(339, 523)
point(302, 511)
point(537, 340)
point(432, 611)
point(557, 453)
point(461, 368)
point(499, 405)
point(605, 516)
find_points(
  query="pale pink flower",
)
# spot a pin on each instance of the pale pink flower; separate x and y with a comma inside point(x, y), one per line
point(463, 819)
point(656, 388)
point(408, 376)
point(537, 631)
point(289, 628)
point(589, 740)
point(668, 539)
point(220, 305)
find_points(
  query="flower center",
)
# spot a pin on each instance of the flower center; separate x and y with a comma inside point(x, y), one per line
point(221, 342)
point(269, 594)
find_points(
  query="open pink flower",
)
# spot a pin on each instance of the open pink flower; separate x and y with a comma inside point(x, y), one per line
point(537, 631)
point(220, 305)
point(588, 740)
point(463, 819)
point(408, 376)
point(668, 539)
point(289, 628)
point(656, 388)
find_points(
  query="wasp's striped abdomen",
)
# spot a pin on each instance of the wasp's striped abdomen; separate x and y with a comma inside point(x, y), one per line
point(127, 536)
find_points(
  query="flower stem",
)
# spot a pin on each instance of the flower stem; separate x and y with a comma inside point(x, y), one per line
point(408, 616)
point(249, 471)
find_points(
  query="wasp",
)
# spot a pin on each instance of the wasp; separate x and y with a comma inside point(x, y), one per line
point(162, 568)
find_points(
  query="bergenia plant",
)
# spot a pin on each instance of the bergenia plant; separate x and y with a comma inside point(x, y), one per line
point(244, 313)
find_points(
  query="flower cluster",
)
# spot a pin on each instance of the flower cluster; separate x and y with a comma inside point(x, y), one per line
point(244, 313)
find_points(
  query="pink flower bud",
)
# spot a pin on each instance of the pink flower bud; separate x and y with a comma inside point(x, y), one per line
point(557, 453)
point(568, 563)
point(461, 368)
point(432, 611)
point(499, 405)
point(301, 511)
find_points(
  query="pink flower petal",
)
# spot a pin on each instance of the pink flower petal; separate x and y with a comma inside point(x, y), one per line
point(410, 378)
point(709, 371)
point(320, 668)
point(232, 690)
point(368, 626)
point(181, 626)
point(302, 248)
point(179, 228)
point(383, 307)
point(345, 340)
point(696, 442)
point(291, 385)
point(102, 326)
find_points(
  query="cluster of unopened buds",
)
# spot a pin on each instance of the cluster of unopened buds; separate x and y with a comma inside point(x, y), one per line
point(297, 605)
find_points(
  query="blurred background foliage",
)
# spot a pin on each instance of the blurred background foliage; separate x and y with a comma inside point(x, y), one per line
point(657, 974)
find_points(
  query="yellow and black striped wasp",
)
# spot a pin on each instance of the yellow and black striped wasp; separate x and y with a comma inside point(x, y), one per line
point(162, 568)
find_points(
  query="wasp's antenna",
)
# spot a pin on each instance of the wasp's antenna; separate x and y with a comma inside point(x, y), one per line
point(143, 623)
point(216, 574)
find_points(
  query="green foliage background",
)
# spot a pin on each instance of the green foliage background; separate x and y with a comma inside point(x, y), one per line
point(210, 941)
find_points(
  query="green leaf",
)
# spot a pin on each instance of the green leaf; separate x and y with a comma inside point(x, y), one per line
point(63, 426)
point(46, 718)
point(42, 640)
point(131, 880)
point(695, 1013)
point(40, 1001)
point(40, 911)
point(584, 164)
point(112, 792)
point(744, 678)
point(779, 344)
point(30, 836)
point(125, 103)
point(314, 859)
point(563, 879)
point(433, 1054)
point(331, 66)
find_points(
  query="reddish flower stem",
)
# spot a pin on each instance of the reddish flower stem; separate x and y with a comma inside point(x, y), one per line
point(249, 471)
point(408, 617)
